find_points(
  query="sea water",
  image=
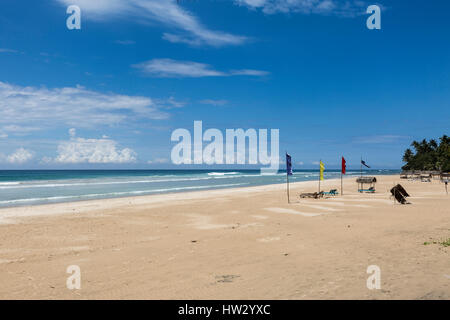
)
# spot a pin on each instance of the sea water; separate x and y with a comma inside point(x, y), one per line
point(29, 187)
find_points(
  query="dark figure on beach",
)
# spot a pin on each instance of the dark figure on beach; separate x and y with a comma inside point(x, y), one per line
point(400, 194)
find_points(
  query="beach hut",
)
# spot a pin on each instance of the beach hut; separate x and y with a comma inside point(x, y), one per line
point(370, 181)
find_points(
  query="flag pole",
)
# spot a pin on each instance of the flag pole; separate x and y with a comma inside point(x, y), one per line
point(287, 179)
point(361, 168)
point(343, 171)
point(287, 182)
point(319, 173)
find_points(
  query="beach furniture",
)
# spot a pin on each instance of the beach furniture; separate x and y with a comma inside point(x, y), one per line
point(415, 176)
point(333, 192)
point(400, 194)
point(425, 176)
point(371, 181)
point(315, 195)
point(370, 190)
point(435, 175)
point(405, 174)
point(444, 176)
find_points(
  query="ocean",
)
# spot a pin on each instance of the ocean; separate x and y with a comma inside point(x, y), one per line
point(29, 187)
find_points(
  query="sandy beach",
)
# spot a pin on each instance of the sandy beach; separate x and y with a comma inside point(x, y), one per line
point(243, 243)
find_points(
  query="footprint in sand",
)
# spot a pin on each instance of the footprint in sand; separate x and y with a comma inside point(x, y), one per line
point(226, 278)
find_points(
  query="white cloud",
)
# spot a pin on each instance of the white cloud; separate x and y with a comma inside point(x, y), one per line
point(71, 106)
point(347, 8)
point(158, 161)
point(81, 150)
point(19, 156)
point(16, 130)
point(300, 163)
point(214, 102)
point(173, 103)
point(248, 72)
point(19, 129)
point(166, 12)
point(168, 68)
point(5, 50)
point(172, 68)
point(72, 132)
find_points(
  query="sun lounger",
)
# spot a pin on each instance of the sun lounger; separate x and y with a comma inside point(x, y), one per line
point(333, 192)
point(315, 195)
point(370, 190)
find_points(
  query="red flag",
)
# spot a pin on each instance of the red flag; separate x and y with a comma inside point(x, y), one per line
point(343, 165)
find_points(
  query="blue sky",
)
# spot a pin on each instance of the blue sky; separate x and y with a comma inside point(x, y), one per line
point(114, 91)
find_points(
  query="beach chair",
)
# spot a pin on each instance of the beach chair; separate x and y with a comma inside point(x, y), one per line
point(333, 192)
point(370, 190)
point(315, 195)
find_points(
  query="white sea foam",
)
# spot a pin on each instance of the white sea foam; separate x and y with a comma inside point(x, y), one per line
point(89, 183)
point(8, 183)
point(221, 173)
point(113, 194)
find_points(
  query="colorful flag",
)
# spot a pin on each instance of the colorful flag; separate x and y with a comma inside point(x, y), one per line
point(322, 168)
point(364, 163)
point(344, 165)
point(288, 165)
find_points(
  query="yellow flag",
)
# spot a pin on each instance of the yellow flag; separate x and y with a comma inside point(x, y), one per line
point(322, 168)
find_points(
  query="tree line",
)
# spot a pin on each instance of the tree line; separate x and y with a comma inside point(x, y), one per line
point(428, 155)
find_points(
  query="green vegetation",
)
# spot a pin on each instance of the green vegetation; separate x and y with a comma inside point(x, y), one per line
point(446, 243)
point(428, 155)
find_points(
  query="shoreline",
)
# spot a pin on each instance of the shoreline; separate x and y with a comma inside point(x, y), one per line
point(85, 206)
